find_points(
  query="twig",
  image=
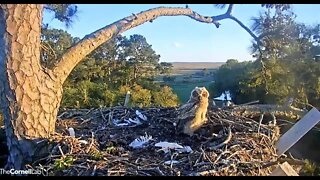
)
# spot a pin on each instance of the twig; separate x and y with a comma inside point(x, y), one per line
point(86, 120)
point(260, 122)
point(196, 163)
point(110, 117)
point(59, 147)
point(102, 115)
point(304, 103)
point(46, 46)
point(59, 117)
point(203, 173)
point(159, 171)
point(248, 103)
point(115, 171)
point(144, 173)
point(205, 156)
point(220, 155)
point(290, 161)
point(92, 141)
point(94, 170)
point(224, 142)
point(293, 123)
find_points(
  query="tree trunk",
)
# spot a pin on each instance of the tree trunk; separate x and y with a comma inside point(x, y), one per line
point(28, 96)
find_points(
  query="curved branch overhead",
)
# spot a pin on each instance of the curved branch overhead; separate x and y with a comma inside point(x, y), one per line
point(90, 42)
point(245, 28)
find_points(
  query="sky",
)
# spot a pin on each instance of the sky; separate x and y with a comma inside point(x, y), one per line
point(180, 38)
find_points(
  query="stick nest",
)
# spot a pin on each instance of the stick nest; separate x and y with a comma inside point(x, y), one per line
point(226, 145)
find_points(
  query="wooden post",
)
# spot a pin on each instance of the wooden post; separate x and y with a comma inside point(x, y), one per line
point(126, 101)
point(284, 169)
point(296, 132)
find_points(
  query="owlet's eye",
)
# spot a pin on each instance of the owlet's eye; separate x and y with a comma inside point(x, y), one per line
point(205, 94)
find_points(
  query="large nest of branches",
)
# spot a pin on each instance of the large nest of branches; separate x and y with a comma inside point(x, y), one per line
point(105, 143)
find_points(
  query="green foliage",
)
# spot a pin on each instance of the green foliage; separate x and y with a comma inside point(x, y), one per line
point(88, 94)
point(286, 78)
point(165, 68)
point(96, 81)
point(230, 77)
point(278, 32)
point(140, 97)
point(63, 162)
point(281, 7)
point(165, 97)
point(288, 70)
point(70, 97)
point(54, 42)
point(110, 98)
point(97, 156)
point(63, 12)
point(310, 169)
point(141, 59)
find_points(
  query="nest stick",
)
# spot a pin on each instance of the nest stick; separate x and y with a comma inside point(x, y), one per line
point(59, 147)
point(92, 141)
point(94, 170)
point(102, 115)
point(260, 122)
point(228, 139)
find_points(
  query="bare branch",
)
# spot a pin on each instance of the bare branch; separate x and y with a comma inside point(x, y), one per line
point(229, 16)
point(230, 8)
point(47, 48)
point(90, 42)
point(245, 28)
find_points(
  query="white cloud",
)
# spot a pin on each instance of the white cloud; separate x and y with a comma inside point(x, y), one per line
point(177, 44)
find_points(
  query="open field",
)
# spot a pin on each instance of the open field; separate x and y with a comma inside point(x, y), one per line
point(192, 67)
point(183, 89)
point(191, 74)
point(196, 65)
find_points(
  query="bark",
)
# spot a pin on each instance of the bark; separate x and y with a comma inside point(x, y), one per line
point(28, 96)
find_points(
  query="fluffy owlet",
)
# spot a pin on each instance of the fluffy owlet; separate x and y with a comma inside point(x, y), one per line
point(193, 114)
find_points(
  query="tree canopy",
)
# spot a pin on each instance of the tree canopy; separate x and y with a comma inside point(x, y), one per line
point(289, 69)
point(104, 77)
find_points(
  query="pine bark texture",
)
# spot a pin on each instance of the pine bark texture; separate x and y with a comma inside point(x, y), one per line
point(29, 97)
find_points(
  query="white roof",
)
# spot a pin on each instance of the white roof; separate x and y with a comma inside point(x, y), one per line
point(223, 95)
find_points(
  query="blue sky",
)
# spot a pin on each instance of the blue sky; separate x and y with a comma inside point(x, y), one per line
point(181, 38)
